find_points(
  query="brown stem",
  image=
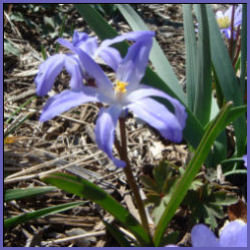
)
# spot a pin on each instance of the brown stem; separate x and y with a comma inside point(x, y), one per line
point(237, 42)
point(237, 53)
point(129, 175)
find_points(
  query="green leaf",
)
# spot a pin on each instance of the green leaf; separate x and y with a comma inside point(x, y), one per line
point(214, 108)
point(236, 171)
point(211, 214)
point(13, 221)
point(88, 190)
point(219, 151)
point(117, 234)
point(222, 198)
point(243, 56)
point(62, 28)
point(226, 77)
point(43, 51)
point(20, 193)
point(19, 109)
point(171, 238)
point(235, 112)
point(17, 125)
point(220, 145)
point(10, 48)
point(149, 183)
point(159, 210)
point(191, 55)
point(157, 56)
point(17, 17)
point(232, 160)
point(203, 92)
point(181, 188)
point(49, 21)
point(219, 94)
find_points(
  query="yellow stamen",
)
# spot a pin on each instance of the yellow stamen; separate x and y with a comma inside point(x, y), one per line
point(120, 87)
point(223, 22)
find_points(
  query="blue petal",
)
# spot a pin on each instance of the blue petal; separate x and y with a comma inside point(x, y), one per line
point(79, 37)
point(66, 44)
point(84, 42)
point(202, 236)
point(131, 36)
point(105, 131)
point(234, 234)
point(227, 32)
point(47, 73)
point(91, 68)
point(228, 12)
point(159, 117)
point(133, 66)
point(72, 66)
point(238, 16)
point(65, 101)
point(94, 70)
point(90, 46)
point(111, 57)
point(144, 91)
point(245, 160)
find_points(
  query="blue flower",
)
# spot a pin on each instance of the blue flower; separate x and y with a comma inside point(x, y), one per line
point(50, 69)
point(224, 20)
point(245, 160)
point(126, 93)
point(233, 234)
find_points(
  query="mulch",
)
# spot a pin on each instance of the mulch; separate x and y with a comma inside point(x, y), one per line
point(36, 148)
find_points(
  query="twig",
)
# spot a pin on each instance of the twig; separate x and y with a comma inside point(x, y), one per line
point(39, 166)
point(41, 175)
point(75, 237)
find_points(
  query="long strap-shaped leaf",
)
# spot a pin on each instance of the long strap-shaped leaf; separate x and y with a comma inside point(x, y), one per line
point(191, 54)
point(181, 188)
point(203, 92)
point(226, 77)
point(243, 48)
point(20, 193)
point(104, 30)
point(90, 191)
point(13, 221)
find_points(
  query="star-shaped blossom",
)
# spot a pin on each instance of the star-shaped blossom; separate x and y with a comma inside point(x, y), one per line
point(233, 234)
point(125, 93)
point(50, 69)
point(224, 20)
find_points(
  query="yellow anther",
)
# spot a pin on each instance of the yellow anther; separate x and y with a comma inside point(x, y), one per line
point(120, 87)
point(223, 22)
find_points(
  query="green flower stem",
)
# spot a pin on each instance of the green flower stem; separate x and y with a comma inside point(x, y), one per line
point(129, 175)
